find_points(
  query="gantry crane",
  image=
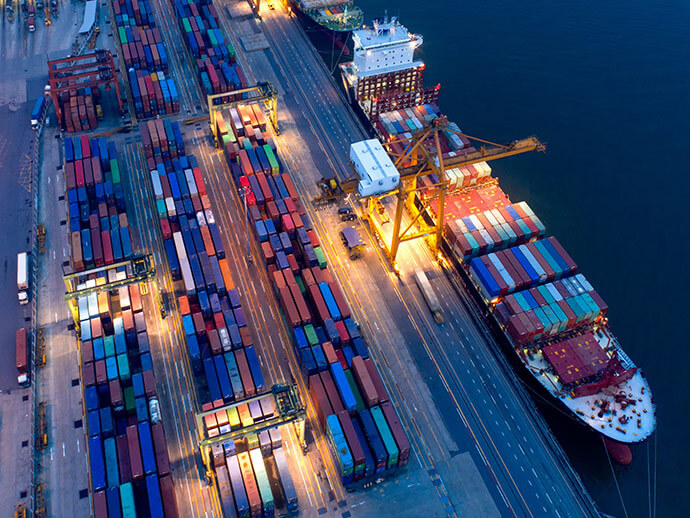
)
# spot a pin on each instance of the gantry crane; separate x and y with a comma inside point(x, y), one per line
point(139, 268)
point(288, 409)
point(263, 93)
point(95, 69)
point(417, 161)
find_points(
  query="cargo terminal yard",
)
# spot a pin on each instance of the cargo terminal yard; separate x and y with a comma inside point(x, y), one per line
point(177, 379)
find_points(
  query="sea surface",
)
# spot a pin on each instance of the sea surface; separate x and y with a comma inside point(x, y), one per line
point(607, 86)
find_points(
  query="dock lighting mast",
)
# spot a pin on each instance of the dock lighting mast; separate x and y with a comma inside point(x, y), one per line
point(422, 162)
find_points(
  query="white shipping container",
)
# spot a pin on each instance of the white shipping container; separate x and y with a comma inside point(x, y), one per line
point(554, 292)
point(157, 187)
point(187, 276)
point(533, 262)
point(191, 183)
point(170, 206)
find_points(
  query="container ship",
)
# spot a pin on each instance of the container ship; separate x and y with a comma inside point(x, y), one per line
point(536, 300)
point(333, 20)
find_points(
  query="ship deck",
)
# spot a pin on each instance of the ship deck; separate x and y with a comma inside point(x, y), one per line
point(641, 416)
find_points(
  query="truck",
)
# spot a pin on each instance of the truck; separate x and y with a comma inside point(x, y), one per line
point(23, 277)
point(38, 112)
point(32, 18)
point(352, 241)
point(429, 296)
point(22, 349)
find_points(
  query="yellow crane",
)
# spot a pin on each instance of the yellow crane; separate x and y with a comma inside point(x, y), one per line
point(419, 162)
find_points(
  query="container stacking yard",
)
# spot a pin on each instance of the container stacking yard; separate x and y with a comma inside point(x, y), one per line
point(129, 468)
point(219, 342)
point(346, 390)
point(146, 59)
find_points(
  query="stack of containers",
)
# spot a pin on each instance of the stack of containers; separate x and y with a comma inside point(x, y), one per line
point(132, 13)
point(252, 474)
point(99, 230)
point(79, 108)
point(397, 128)
point(345, 387)
point(152, 94)
point(493, 230)
point(213, 54)
point(129, 468)
point(142, 48)
point(506, 271)
point(548, 310)
point(127, 449)
point(146, 59)
point(219, 342)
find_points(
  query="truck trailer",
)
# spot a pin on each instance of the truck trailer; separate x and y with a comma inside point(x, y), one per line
point(23, 277)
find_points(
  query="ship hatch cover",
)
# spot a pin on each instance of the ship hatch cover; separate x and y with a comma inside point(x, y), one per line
point(577, 358)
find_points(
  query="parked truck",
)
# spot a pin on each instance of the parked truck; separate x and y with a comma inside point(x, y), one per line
point(23, 277)
point(38, 112)
point(22, 357)
point(429, 296)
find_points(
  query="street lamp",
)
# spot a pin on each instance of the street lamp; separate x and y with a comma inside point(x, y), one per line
point(245, 191)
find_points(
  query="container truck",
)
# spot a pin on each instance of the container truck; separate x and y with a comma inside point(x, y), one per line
point(38, 112)
point(22, 358)
point(429, 296)
point(23, 277)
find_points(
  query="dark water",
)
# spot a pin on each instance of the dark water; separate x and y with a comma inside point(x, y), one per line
point(607, 86)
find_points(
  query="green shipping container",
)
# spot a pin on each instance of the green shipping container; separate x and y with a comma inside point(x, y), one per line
point(111, 470)
point(311, 335)
point(130, 403)
point(123, 366)
point(186, 25)
point(162, 210)
point(275, 169)
point(579, 312)
point(355, 390)
point(321, 257)
point(546, 294)
point(212, 38)
point(109, 346)
point(521, 300)
point(123, 35)
point(115, 171)
point(386, 435)
point(129, 510)
point(231, 51)
point(262, 480)
point(234, 373)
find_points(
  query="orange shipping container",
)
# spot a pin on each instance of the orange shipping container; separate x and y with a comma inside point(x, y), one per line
point(208, 241)
point(225, 271)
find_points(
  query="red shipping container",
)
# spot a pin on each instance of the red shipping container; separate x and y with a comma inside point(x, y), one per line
point(366, 385)
point(331, 391)
point(376, 380)
point(289, 307)
point(123, 459)
point(168, 495)
point(100, 505)
point(398, 433)
point(245, 373)
point(134, 452)
point(161, 449)
point(319, 398)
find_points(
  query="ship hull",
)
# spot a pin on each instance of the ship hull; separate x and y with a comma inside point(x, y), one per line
point(329, 42)
point(589, 421)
